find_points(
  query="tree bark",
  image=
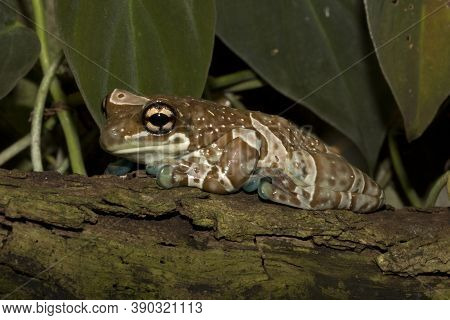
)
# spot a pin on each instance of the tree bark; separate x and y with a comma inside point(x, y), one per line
point(107, 237)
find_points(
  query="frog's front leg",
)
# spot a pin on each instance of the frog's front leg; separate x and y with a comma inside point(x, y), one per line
point(223, 167)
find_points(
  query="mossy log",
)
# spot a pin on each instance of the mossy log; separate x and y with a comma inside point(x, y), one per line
point(107, 237)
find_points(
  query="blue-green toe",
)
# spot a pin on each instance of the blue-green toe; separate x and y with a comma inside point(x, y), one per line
point(153, 170)
point(164, 177)
point(265, 189)
point(251, 185)
point(120, 167)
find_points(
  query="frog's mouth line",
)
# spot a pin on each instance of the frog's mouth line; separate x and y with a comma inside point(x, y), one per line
point(166, 147)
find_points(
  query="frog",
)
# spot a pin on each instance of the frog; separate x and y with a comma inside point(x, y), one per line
point(191, 142)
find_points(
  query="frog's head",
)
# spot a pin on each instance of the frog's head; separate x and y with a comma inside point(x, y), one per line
point(145, 129)
point(155, 129)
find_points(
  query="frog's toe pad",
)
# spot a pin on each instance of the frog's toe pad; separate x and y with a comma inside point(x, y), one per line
point(152, 170)
point(265, 189)
point(251, 185)
point(164, 177)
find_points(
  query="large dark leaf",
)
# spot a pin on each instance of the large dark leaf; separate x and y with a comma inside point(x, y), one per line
point(414, 41)
point(19, 48)
point(311, 51)
point(148, 47)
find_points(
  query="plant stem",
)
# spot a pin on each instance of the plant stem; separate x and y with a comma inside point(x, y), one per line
point(246, 85)
point(63, 167)
point(21, 144)
point(14, 149)
point(230, 79)
point(38, 112)
point(436, 189)
point(401, 173)
point(64, 117)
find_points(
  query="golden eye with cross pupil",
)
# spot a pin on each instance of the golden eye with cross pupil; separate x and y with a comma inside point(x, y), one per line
point(158, 118)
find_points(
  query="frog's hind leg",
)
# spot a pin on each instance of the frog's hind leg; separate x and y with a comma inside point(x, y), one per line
point(282, 189)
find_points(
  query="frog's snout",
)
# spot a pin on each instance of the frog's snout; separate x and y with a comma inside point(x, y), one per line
point(110, 137)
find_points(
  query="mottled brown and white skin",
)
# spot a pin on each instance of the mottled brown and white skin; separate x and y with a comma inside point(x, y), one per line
point(198, 143)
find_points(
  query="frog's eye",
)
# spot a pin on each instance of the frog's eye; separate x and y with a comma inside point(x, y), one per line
point(158, 118)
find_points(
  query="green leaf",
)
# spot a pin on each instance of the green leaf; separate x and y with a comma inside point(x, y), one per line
point(19, 48)
point(314, 53)
point(414, 53)
point(147, 47)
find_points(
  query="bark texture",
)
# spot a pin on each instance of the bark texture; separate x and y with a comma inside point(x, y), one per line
point(108, 237)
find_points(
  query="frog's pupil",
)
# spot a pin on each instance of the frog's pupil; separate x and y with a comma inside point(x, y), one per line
point(159, 119)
